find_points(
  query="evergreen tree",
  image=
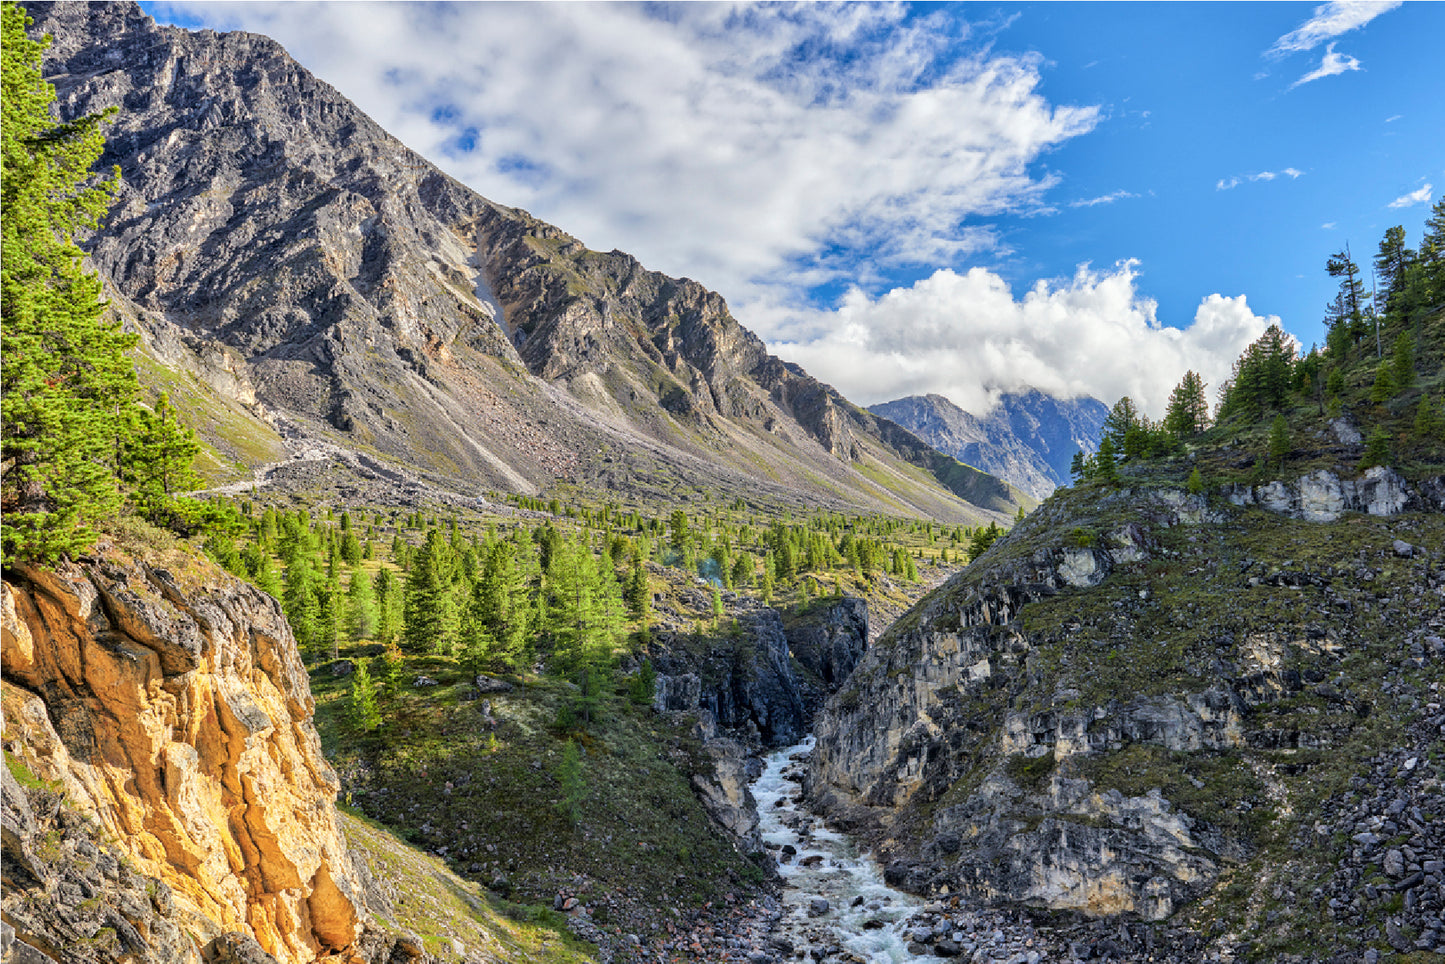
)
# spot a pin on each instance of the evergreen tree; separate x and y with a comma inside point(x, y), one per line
point(330, 615)
point(1391, 269)
point(365, 715)
point(1384, 387)
point(157, 457)
point(983, 538)
point(1262, 377)
point(639, 591)
point(1122, 427)
point(1351, 301)
point(1377, 449)
point(1105, 464)
point(389, 596)
point(66, 385)
point(429, 617)
point(360, 606)
point(1402, 361)
point(261, 571)
point(298, 601)
point(1279, 446)
point(1188, 412)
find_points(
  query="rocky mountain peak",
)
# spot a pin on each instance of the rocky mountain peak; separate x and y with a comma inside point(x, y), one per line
point(364, 299)
point(1028, 438)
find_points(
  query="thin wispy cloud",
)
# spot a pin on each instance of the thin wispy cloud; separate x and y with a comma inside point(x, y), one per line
point(1421, 196)
point(1229, 183)
point(1331, 65)
point(745, 147)
point(1119, 195)
point(1328, 22)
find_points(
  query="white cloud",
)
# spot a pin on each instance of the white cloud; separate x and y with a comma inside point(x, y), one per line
point(1118, 195)
point(966, 337)
point(1329, 21)
point(695, 136)
point(1421, 196)
point(1330, 65)
point(1227, 184)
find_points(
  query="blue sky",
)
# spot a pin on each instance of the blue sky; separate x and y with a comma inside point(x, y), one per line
point(964, 199)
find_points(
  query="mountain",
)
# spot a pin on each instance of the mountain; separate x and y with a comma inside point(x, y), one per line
point(317, 283)
point(1201, 697)
point(1028, 439)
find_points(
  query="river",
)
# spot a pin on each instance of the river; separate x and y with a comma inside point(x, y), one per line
point(862, 917)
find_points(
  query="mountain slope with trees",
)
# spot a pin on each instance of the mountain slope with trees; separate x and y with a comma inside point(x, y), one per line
point(1201, 686)
point(271, 237)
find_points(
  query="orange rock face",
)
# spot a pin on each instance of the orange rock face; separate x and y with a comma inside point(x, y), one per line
point(174, 709)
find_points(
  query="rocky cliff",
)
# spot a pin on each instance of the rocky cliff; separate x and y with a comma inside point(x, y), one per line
point(168, 705)
point(1027, 439)
point(1144, 702)
point(271, 238)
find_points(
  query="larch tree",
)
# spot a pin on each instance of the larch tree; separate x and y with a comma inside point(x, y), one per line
point(66, 385)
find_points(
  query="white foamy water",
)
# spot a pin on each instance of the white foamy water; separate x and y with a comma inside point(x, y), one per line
point(864, 914)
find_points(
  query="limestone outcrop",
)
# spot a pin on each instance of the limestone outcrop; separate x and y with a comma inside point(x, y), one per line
point(169, 705)
point(1132, 698)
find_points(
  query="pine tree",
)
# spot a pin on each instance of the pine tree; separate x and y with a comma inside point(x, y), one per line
point(1262, 377)
point(1402, 361)
point(1188, 411)
point(1105, 464)
point(66, 385)
point(1351, 299)
point(1377, 449)
point(1121, 427)
point(1391, 268)
point(1384, 387)
point(1279, 445)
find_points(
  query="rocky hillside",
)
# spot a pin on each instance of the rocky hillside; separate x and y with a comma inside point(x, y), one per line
point(1221, 710)
point(175, 803)
point(1027, 439)
point(315, 275)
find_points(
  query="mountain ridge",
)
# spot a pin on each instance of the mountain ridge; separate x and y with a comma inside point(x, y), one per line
point(350, 284)
point(1028, 438)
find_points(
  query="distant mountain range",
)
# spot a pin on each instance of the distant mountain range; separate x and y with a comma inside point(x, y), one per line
point(301, 277)
point(1027, 439)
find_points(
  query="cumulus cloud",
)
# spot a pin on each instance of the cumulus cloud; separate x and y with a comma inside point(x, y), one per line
point(966, 337)
point(736, 145)
point(1329, 21)
point(1421, 196)
point(1330, 65)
